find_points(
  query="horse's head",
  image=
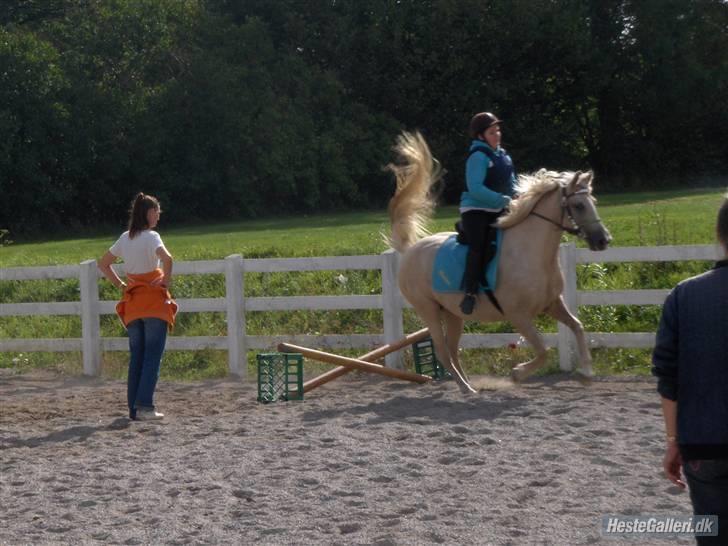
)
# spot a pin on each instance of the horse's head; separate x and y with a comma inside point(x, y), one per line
point(581, 208)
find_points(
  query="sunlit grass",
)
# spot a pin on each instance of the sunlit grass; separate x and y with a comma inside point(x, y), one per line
point(635, 219)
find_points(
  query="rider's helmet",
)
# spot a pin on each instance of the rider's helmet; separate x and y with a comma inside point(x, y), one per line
point(480, 122)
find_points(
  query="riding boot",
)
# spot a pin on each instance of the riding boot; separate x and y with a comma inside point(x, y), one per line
point(473, 267)
point(468, 304)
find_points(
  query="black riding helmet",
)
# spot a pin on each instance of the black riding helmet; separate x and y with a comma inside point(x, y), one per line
point(480, 122)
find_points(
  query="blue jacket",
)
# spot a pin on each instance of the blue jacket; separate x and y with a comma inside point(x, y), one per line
point(478, 194)
point(690, 360)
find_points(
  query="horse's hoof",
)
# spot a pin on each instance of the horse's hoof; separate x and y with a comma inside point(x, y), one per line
point(516, 376)
point(583, 378)
point(467, 389)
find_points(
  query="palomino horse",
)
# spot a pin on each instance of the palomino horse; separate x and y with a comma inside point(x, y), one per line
point(529, 277)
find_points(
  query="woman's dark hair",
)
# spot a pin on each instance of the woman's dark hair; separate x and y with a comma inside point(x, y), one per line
point(138, 213)
point(721, 226)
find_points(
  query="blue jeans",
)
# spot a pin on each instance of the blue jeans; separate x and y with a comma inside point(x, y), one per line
point(708, 482)
point(147, 337)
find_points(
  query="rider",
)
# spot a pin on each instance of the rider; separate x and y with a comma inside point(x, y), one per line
point(490, 178)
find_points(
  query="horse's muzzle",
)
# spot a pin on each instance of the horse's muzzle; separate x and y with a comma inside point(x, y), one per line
point(599, 240)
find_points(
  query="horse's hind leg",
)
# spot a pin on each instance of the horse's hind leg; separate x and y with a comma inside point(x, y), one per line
point(560, 312)
point(529, 332)
point(453, 332)
point(430, 314)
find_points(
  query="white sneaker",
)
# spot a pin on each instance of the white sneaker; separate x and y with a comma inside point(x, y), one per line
point(148, 415)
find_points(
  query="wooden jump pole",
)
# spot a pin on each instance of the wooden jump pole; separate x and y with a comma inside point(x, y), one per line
point(371, 356)
point(353, 363)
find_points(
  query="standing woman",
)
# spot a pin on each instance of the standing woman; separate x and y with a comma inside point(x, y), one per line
point(490, 179)
point(146, 309)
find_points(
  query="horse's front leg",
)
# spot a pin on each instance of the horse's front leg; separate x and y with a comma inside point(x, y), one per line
point(560, 312)
point(527, 329)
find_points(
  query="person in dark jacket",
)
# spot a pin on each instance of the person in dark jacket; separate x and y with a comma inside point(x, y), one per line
point(490, 179)
point(690, 360)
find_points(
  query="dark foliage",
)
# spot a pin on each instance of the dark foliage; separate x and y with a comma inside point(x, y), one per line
point(228, 109)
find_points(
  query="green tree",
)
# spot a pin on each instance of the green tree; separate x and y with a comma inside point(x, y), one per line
point(33, 123)
point(227, 109)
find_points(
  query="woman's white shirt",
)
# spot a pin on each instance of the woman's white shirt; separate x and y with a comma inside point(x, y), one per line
point(140, 253)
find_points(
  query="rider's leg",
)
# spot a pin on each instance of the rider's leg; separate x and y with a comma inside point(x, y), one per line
point(476, 224)
point(489, 246)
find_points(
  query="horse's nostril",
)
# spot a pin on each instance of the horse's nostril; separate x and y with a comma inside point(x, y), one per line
point(601, 243)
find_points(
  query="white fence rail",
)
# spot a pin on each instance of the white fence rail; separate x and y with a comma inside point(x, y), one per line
point(235, 305)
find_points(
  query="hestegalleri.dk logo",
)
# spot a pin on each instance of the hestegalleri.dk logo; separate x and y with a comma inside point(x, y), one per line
point(705, 526)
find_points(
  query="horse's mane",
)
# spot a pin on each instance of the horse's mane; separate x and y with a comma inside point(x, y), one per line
point(530, 188)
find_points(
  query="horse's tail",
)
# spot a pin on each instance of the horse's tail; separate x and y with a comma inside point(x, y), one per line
point(414, 202)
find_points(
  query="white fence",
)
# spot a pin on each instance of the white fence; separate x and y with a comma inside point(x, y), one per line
point(235, 304)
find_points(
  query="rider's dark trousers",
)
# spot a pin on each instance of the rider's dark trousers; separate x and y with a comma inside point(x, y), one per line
point(476, 225)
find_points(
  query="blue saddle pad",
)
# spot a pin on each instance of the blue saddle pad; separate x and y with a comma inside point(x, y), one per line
point(447, 273)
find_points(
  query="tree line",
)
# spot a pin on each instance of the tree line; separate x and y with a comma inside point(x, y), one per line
point(227, 109)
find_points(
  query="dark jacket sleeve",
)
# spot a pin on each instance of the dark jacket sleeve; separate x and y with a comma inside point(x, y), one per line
point(665, 354)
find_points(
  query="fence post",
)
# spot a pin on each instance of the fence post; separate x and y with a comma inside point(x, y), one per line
point(392, 306)
point(567, 341)
point(235, 307)
point(90, 324)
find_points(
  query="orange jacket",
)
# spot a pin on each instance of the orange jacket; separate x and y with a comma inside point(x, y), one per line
point(142, 299)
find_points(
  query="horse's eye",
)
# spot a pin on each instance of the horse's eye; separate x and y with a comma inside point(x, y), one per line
point(579, 207)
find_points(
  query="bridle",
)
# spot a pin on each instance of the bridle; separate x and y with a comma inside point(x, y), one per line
point(576, 229)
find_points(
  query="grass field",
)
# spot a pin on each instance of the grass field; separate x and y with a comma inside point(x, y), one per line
point(635, 219)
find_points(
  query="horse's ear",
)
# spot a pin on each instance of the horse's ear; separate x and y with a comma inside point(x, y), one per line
point(574, 181)
point(588, 178)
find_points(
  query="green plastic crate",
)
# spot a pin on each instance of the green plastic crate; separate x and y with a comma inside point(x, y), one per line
point(426, 362)
point(280, 377)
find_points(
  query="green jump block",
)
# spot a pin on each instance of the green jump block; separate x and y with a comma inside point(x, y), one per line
point(280, 377)
point(426, 362)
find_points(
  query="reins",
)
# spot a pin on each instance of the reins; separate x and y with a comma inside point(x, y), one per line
point(576, 229)
point(566, 210)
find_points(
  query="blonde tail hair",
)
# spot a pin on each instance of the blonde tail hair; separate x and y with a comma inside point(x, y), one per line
point(413, 203)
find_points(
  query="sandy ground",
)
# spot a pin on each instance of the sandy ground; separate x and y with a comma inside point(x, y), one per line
point(362, 460)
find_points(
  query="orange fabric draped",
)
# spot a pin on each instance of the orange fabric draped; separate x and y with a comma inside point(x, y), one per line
point(142, 299)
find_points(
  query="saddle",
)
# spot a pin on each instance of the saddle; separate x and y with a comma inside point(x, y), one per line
point(489, 250)
point(449, 266)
